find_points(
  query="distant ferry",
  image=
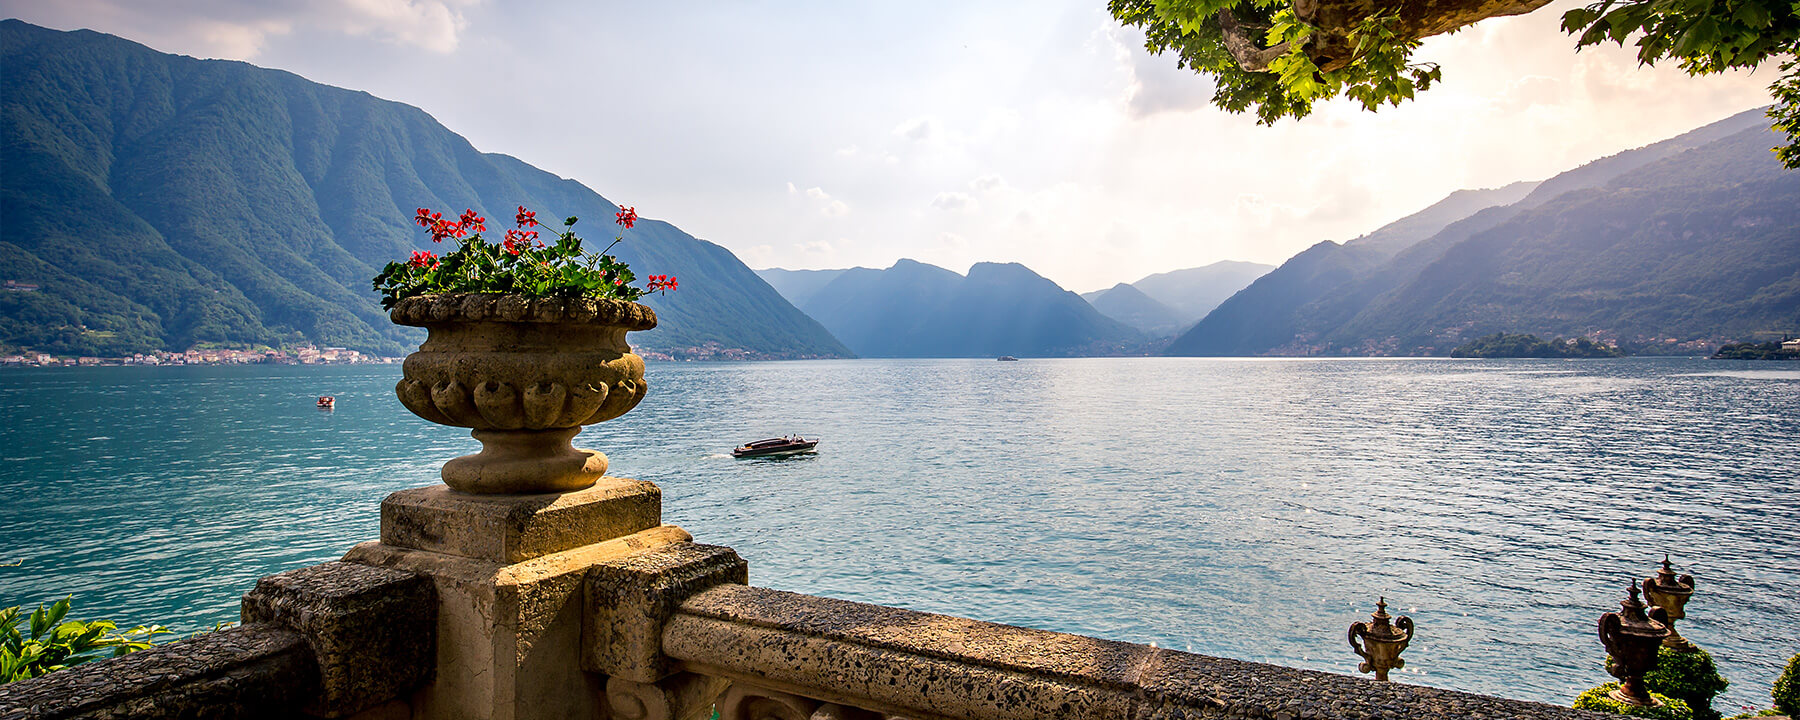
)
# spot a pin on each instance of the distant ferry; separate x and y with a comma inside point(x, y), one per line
point(1007, 358)
point(775, 446)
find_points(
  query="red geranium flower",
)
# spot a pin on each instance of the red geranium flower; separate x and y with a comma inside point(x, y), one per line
point(627, 216)
point(471, 220)
point(526, 218)
point(420, 258)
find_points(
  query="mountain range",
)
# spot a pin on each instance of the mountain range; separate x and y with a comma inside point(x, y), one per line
point(1166, 303)
point(1672, 247)
point(157, 201)
point(917, 310)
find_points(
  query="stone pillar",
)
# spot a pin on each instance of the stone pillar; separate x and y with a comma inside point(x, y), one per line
point(510, 574)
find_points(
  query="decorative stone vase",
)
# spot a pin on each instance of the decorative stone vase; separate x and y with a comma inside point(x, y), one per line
point(1632, 637)
point(524, 374)
point(1671, 593)
point(1381, 641)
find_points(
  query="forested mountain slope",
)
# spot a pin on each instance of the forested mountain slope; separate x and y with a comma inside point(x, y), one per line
point(159, 201)
point(1429, 295)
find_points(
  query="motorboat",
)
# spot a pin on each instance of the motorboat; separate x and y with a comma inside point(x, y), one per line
point(327, 402)
point(1007, 358)
point(786, 445)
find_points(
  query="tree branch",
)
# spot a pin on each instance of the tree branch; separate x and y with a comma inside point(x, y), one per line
point(1244, 47)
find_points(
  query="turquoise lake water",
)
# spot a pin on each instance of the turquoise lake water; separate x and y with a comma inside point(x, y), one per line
point(1245, 508)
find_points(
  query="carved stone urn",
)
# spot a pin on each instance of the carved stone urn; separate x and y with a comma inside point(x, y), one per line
point(1671, 594)
point(524, 374)
point(1631, 636)
point(1381, 641)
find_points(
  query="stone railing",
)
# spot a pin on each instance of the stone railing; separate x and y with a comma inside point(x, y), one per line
point(584, 605)
point(330, 640)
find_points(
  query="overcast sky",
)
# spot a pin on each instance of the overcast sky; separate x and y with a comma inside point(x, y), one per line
point(836, 134)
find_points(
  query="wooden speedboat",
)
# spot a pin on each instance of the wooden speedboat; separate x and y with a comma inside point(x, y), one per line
point(775, 446)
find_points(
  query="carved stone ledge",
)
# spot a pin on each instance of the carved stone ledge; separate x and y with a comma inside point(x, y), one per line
point(682, 696)
point(630, 598)
point(249, 672)
point(372, 631)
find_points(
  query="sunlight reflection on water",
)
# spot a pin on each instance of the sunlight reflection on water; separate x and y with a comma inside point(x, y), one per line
point(1245, 508)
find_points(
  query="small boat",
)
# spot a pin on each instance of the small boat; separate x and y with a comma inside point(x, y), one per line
point(775, 446)
point(1007, 358)
point(327, 402)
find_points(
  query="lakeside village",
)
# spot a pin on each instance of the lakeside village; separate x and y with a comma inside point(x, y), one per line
point(300, 355)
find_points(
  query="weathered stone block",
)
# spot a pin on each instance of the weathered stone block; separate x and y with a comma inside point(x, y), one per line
point(372, 630)
point(514, 528)
point(630, 598)
point(509, 635)
point(250, 672)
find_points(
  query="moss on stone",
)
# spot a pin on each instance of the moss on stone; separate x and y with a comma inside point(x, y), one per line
point(1596, 699)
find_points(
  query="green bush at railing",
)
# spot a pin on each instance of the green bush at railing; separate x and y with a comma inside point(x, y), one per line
point(1690, 677)
point(47, 642)
point(1596, 699)
point(1786, 692)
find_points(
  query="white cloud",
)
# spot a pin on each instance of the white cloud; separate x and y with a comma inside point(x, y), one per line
point(241, 31)
point(987, 183)
point(953, 201)
point(917, 129)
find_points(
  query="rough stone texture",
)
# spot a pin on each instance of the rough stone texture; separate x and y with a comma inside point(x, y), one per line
point(516, 528)
point(249, 672)
point(509, 634)
point(629, 599)
point(923, 665)
point(372, 631)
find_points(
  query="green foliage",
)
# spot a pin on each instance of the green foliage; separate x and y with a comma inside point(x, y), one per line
point(1786, 692)
point(1509, 345)
point(1703, 37)
point(519, 265)
point(1595, 699)
point(1754, 351)
point(1691, 677)
point(44, 641)
point(1706, 38)
point(1379, 72)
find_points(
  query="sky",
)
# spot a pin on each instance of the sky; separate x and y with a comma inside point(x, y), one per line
point(809, 135)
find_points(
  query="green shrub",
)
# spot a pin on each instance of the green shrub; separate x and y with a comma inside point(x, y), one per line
point(1596, 699)
point(48, 643)
point(1786, 692)
point(1687, 676)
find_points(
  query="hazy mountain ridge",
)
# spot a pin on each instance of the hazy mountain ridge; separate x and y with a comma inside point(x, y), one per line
point(1517, 268)
point(1125, 303)
point(917, 310)
point(161, 201)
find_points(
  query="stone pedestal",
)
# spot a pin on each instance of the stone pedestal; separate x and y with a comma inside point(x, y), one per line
point(509, 572)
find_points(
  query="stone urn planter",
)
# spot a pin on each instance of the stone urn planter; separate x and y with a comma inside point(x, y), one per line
point(524, 374)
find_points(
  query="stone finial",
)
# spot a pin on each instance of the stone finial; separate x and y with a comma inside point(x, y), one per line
point(1671, 593)
point(1381, 642)
point(1631, 636)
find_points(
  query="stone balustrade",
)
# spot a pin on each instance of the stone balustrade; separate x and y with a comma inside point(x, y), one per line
point(585, 605)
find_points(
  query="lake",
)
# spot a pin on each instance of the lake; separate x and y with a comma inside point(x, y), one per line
point(1246, 508)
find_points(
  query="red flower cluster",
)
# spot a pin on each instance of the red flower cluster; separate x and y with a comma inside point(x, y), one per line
point(518, 241)
point(420, 258)
point(659, 283)
point(526, 218)
point(441, 228)
point(626, 216)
